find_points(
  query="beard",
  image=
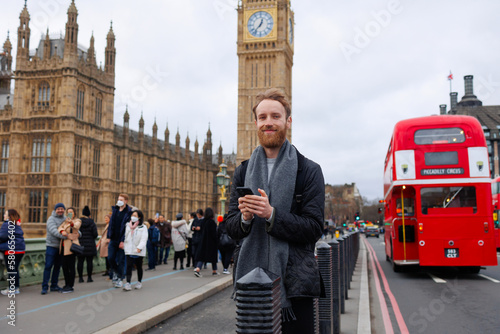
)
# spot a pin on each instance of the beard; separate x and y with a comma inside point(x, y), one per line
point(271, 141)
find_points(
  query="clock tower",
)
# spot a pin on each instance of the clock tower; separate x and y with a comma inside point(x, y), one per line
point(265, 55)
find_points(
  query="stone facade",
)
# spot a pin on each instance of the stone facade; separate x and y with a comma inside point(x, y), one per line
point(265, 55)
point(60, 143)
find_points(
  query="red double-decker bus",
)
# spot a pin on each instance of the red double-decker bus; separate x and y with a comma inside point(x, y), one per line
point(495, 196)
point(437, 194)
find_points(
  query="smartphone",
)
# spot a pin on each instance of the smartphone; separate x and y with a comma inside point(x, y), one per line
point(157, 215)
point(243, 191)
point(70, 215)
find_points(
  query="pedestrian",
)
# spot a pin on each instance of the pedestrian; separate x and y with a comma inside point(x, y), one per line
point(189, 250)
point(13, 247)
point(226, 245)
point(196, 229)
point(102, 244)
point(152, 244)
point(179, 240)
point(280, 223)
point(70, 229)
point(87, 240)
point(53, 257)
point(120, 215)
point(136, 237)
point(165, 239)
point(207, 249)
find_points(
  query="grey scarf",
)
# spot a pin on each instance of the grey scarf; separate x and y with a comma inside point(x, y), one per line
point(259, 249)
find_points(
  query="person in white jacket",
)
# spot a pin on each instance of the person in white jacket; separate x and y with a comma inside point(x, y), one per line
point(136, 237)
point(179, 239)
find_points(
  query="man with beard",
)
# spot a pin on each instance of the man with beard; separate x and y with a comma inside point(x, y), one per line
point(280, 223)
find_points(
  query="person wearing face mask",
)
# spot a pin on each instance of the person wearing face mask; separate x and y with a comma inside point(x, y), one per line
point(136, 237)
point(121, 213)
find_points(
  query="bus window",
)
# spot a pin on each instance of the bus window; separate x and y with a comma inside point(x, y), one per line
point(409, 206)
point(439, 136)
point(448, 197)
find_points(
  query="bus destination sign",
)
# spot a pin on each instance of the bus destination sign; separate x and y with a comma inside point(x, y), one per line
point(441, 171)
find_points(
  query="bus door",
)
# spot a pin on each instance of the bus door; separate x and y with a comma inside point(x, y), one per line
point(404, 227)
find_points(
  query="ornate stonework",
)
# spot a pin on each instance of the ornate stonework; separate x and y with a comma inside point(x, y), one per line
point(60, 143)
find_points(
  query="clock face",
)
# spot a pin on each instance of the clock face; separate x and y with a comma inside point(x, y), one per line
point(260, 24)
point(290, 31)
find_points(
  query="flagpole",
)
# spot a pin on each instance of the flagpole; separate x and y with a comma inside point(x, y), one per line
point(450, 78)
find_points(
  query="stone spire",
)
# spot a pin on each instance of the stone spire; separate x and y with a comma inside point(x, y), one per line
point(71, 39)
point(91, 52)
point(23, 35)
point(110, 52)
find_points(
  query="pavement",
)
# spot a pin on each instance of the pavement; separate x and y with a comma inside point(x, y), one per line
point(98, 307)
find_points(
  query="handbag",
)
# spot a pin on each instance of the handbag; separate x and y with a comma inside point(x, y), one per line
point(225, 240)
point(76, 249)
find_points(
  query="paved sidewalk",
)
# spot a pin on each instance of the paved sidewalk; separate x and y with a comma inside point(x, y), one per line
point(99, 308)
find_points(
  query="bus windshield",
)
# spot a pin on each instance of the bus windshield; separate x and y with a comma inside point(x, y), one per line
point(439, 136)
point(448, 197)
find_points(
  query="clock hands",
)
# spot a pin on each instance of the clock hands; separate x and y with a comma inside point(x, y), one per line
point(261, 21)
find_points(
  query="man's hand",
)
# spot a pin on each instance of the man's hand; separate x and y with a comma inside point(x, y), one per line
point(251, 205)
point(121, 245)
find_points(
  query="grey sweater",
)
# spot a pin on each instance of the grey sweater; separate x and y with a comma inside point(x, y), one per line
point(53, 238)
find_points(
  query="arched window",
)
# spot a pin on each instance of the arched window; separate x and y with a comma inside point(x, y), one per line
point(43, 94)
point(80, 102)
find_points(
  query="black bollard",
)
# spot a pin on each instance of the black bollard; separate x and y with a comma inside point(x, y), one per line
point(334, 244)
point(341, 242)
point(258, 303)
point(324, 252)
point(347, 265)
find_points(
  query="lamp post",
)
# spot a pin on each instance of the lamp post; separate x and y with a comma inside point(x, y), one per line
point(223, 181)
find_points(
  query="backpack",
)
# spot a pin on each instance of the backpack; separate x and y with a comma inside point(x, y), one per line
point(299, 182)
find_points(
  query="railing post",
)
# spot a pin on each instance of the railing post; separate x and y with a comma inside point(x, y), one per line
point(258, 303)
point(341, 242)
point(324, 252)
point(334, 244)
point(347, 258)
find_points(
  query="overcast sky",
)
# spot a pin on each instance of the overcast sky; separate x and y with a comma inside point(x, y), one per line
point(359, 67)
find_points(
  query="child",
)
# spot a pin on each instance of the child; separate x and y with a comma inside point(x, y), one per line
point(136, 237)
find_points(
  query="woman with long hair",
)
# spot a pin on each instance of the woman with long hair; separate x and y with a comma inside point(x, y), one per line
point(13, 252)
point(207, 250)
point(70, 229)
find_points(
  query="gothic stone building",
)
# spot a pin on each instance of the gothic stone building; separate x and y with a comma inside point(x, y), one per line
point(488, 116)
point(60, 143)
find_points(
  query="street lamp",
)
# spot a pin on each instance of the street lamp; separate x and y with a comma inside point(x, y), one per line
point(223, 181)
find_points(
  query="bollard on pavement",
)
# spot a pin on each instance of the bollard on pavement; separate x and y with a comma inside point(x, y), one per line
point(334, 244)
point(258, 302)
point(341, 242)
point(325, 304)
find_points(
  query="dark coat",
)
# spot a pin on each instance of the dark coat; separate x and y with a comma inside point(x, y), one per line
point(17, 243)
point(115, 210)
point(165, 234)
point(196, 234)
point(89, 234)
point(207, 249)
point(301, 226)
